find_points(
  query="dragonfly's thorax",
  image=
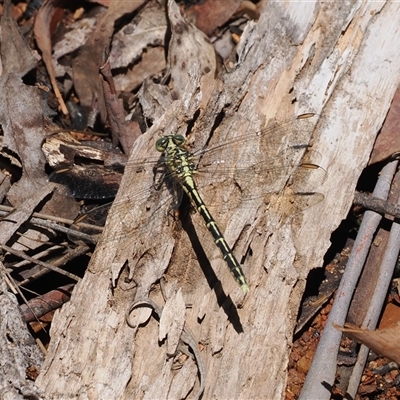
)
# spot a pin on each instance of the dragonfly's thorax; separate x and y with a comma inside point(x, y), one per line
point(177, 159)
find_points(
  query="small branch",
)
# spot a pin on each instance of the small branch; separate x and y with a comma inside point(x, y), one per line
point(378, 205)
point(24, 256)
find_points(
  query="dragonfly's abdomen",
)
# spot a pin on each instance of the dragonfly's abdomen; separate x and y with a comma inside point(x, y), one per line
point(227, 254)
point(178, 161)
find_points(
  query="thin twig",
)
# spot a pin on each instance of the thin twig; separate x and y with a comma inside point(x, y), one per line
point(72, 232)
point(78, 251)
point(24, 256)
point(5, 210)
point(44, 253)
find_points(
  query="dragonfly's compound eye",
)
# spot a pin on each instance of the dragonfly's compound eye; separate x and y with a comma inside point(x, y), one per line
point(178, 140)
point(161, 144)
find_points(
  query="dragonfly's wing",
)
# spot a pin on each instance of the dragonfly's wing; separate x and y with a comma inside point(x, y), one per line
point(266, 162)
point(273, 151)
point(146, 203)
point(280, 140)
point(269, 160)
point(309, 175)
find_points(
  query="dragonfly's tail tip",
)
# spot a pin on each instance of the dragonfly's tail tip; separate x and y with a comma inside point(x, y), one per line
point(244, 287)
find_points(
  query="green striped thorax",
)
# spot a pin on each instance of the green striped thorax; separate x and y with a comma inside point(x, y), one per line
point(177, 159)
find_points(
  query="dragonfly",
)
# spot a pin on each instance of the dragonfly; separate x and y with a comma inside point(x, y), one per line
point(272, 158)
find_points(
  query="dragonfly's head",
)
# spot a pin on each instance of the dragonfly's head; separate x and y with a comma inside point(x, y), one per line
point(169, 141)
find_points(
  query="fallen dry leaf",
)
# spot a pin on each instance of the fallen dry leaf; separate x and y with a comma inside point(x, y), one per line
point(210, 14)
point(16, 56)
point(86, 65)
point(385, 342)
